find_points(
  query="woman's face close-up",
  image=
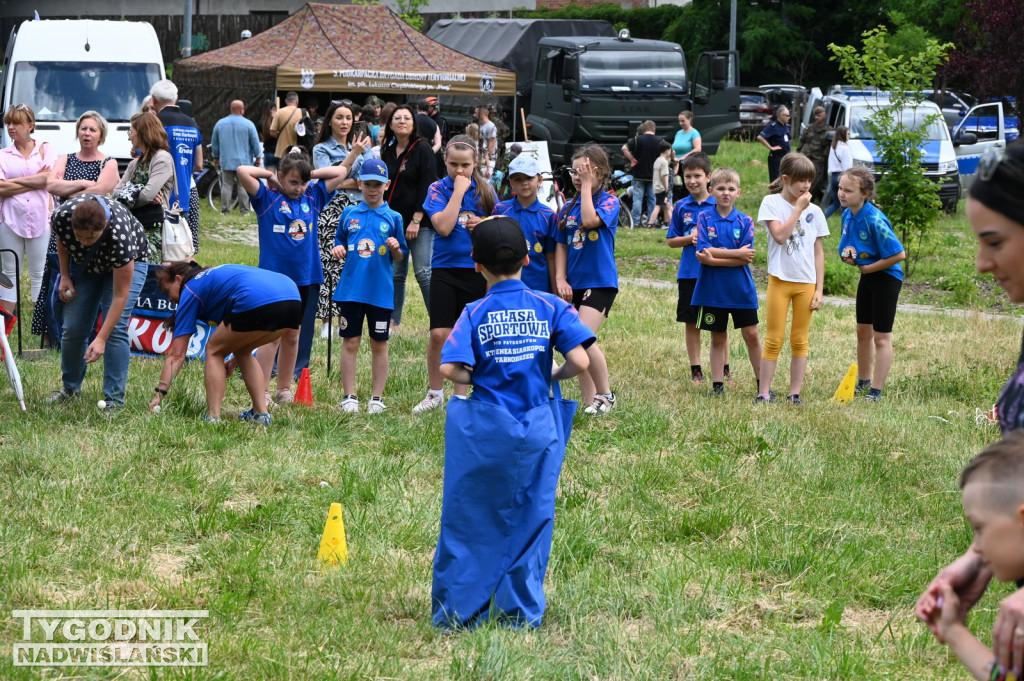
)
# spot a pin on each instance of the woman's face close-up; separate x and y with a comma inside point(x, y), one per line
point(19, 131)
point(1000, 247)
point(402, 122)
point(341, 122)
point(89, 133)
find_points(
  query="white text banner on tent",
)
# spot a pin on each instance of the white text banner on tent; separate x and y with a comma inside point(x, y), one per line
point(399, 82)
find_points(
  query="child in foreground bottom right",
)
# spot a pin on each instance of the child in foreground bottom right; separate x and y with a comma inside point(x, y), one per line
point(992, 485)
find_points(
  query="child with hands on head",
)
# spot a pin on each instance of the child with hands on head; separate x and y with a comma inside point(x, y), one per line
point(287, 209)
point(585, 271)
point(455, 204)
point(725, 249)
point(869, 243)
point(372, 236)
point(992, 485)
point(796, 270)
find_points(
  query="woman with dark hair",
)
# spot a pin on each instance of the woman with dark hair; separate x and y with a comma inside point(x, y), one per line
point(412, 169)
point(995, 209)
point(267, 112)
point(102, 250)
point(145, 188)
point(251, 307)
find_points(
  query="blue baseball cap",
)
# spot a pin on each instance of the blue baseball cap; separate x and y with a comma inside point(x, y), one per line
point(524, 165)
point(373, 169)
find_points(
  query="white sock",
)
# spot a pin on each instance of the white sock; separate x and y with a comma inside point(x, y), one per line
point(436, 393)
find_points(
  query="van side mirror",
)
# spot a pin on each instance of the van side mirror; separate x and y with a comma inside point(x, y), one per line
point(719, 72)
point(965, 138)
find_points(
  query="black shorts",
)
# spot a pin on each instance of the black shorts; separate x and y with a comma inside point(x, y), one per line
point(350, 320)
point(877, 296)
point(600, 299)
point(716, 319)
point(451, 289)
point(686, 312)
point(659, 198)
point(284, 314)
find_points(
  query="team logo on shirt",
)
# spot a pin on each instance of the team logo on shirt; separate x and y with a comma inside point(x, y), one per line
point(863, 235)
point(365, 248)
point(305, 208)
point(593, 235)
point(537, 247)
point(687, 218)
point(297, 230)
point(570, 222)
point(578, 239)
point(353, 225)
point(384, 228)
point(736, 233)
point(712, 232)
point(864, 256)
point(809, 218)
point(285, 208)
point(849, 255)
point(464, 218)
point(382, 249)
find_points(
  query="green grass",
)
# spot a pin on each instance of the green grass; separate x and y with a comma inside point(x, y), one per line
point(694, 538)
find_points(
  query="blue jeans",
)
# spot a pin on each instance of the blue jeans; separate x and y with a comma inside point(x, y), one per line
point(93, 292)
point(832, 196)
point(643, 199)
point(306, 331)
point(421, 250)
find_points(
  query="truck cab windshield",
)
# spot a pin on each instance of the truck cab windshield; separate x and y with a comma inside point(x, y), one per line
point(63, 91)
point(642, 71)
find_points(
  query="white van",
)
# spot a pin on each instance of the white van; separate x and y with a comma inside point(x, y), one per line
point(63, 68)
point(991, 124)
point(854, 110)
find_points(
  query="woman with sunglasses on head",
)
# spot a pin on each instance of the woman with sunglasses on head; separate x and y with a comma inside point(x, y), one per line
point(412, 168)
point(25, 212)
point(995, 209)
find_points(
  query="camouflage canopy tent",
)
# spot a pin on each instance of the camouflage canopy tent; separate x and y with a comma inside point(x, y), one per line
point(344, 49)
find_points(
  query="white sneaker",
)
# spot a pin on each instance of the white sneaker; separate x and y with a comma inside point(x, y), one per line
point(284, 396)
point(431, 401)
point(601, 405)
point(350, 404)
point(376, 406)
point(325, 331)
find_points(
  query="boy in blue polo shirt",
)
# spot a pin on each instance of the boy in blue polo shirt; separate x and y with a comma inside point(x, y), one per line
point(538, 221)
point(370, 238)
point(682, 233)
point(725, 249)
point(504, 445)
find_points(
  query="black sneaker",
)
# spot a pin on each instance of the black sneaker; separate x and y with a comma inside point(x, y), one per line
point(862, 387)
point(697, 378)
point(62, 396)
point(794, 401)
point(771, 399)
point(717, 391)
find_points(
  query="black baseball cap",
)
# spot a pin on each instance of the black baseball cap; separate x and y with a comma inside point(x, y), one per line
point(499, 240)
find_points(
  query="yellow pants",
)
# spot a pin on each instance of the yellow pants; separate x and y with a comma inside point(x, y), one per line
point(780, 293)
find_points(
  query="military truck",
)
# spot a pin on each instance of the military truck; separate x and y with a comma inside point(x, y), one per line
point(581, 82)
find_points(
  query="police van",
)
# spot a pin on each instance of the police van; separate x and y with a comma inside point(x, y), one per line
point(854, 109)
point(982, 127)
point(63, 68)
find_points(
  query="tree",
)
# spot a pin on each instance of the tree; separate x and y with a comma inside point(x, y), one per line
point(986, 62)
point(907, 196)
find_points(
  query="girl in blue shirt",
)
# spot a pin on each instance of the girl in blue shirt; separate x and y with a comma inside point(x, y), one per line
point(585, 272)
point(455, 205)
point(869, 243)
point(287, 209)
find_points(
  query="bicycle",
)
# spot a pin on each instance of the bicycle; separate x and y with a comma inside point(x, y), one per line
point(620, 186)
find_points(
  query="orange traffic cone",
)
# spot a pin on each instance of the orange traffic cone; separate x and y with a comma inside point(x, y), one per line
point(304, 391)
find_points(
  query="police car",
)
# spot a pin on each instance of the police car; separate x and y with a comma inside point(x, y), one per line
point(986, 125)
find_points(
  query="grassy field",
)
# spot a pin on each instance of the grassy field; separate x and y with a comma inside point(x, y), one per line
point(694, 538)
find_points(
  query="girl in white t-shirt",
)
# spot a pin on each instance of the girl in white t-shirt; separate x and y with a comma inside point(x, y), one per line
point(796, 270)
point(839, 161)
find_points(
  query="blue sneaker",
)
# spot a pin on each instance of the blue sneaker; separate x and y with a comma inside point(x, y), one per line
point(207, 419)
point(254, 418)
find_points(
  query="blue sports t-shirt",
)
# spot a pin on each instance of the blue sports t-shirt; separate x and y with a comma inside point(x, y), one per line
point(183, 138)
point(368, 276)
point(868, 238)
point(452, 250)
point(684, 221)
point(287, 229)
point(211, 294)
point(509, 337)
point(717, 286)
point(591, 257)
point(539, 225)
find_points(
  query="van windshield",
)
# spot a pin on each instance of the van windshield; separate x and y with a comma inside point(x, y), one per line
point(63, 91)
point(642, 71)
point(913, 118)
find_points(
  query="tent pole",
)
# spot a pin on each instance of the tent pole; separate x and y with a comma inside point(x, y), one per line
point(186, 30)
point(515, 112)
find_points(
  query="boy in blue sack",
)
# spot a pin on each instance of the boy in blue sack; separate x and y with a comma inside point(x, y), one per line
point(370, 238)
point(725, 249)
point(504, 445)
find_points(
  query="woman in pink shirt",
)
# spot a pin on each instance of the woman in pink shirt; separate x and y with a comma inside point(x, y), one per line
point(24, 203)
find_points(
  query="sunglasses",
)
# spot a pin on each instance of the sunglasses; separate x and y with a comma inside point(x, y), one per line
point(341, 102)
point(995, 158)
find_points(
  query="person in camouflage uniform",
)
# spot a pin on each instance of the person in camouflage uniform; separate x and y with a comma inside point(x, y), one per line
point(815, 146)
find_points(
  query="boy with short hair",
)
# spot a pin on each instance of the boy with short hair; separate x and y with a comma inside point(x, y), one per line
point(370, 238)
point(725, 249)
point(682, 233)
point(539, 222)
point(992, 485)
point(504, 445)
point(662, 184)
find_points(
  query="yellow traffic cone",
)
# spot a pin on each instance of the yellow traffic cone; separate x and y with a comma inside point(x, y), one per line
point(848, 387)
point(333, 549)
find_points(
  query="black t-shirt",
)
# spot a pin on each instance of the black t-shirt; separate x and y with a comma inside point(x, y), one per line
point(645, 150)
point(123, 240)
point(411, 176)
